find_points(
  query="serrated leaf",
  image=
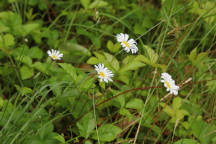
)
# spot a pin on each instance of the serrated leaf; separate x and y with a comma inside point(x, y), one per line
point(107, 133)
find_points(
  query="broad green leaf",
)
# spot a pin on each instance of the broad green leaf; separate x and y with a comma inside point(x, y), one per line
point(98, 4)
point(27, 28)
point(186, 141)
point(9, 40)
point(26, 72)
point(76, 49)
point(113, 62)
point(86, 125)
point(135, 103)
point(177, 102)
point(144, 59)
point(193, 55)
point(152, 56)
point(36, 52)
point(93, 60)
point(110, 45)
point(70, 70)
point(107, 59)
point(107, 133)
point(131, 63)
point(25, 59)
point(113, 47)
point(60, 138)
point(42, 67)
point(85, 3)
point(3, 28)
point(168, 110)
point(202, 130)
point(6, 41)
point(124, 77)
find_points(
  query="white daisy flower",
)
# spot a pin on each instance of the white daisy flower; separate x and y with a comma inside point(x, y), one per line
point(104, 74)
point(169, 83)
point(55, 54)
point(128, 45)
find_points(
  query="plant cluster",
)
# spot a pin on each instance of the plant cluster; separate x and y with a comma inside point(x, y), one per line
point(70, 73)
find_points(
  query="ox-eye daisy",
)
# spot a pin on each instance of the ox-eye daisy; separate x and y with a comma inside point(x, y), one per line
point(55, 54)
point(169, 83)
point(104, 74)
point(127, 44)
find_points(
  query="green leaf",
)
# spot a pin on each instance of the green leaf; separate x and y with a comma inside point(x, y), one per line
point(168, 110)
point(131, 63)
point(27, 28)
point(60, 138)
point(36, 52)
point(70, 70)
point(110, 45)
point(202, 130)
point(93, 60)
point(86, 125)
point(113, 47)
point(135, 103)
point(42, 67)
point(152, 56)
point(23, 90)
point(98, 4)
point(107, 133)
point(113, 62)
point(193, 55)
point(25, 59)
point(9, 40)
point(186, 141)
point(126, 113)
point(26, 72)
point(6, 41)
point(177, 102)
point(85, 3)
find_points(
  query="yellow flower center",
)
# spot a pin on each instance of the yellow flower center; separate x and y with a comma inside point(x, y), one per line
point(54, 57)
point(126, 43)
point(167, 84)
point(102, 74)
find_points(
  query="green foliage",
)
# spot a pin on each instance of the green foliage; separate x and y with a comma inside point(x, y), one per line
point(86, 125)
point(107, 133)
point(46, 101)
